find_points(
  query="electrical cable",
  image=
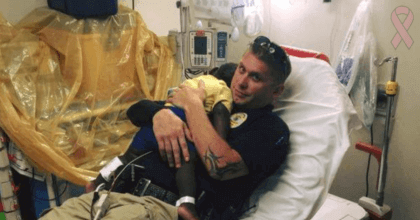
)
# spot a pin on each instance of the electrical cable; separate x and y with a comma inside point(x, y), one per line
point(96, 194)
point(42, 199)
point(183, 33)
point(56, 198)
point(368, 165)
point(95, 198)
point(192, 72)
point(182, 53)
point(367, 176)
point(55, 189)
point(125, 167)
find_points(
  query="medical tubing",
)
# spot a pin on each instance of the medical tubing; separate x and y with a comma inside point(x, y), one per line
point(367, 175)
point(42, 199)
point(96, 193)
point(115, 180)
point(55, 188)
point(184, 12)
point(95, 198)
point(391, 91)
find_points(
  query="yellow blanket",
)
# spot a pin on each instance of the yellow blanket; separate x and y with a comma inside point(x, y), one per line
point(66, 83)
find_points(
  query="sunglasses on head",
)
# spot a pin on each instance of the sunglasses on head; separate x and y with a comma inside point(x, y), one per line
point(277, 53)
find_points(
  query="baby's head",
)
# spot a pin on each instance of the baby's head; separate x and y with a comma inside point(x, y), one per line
point(224, 72)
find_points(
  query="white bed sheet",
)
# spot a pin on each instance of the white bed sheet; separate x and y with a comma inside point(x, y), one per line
point(320, 117)
point(336, 208)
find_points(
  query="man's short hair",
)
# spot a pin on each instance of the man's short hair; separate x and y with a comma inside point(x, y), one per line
point(273, 56)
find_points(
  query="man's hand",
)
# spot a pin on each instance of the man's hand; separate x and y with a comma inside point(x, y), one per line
point(90, 187)
point(185, 95)
point(170, 132)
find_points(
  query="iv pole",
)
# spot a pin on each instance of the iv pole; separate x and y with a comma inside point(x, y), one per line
point(391, 91)
point(377, 210)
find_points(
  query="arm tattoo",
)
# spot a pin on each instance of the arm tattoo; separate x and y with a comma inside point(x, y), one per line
point(216, 170)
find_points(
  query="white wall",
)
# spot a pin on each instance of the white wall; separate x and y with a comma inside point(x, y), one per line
point(159, 16)
point(14, 10)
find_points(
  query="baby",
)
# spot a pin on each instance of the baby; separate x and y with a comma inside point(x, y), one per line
point(217, 103)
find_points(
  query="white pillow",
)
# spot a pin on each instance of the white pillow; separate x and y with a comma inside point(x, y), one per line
point(320, 117)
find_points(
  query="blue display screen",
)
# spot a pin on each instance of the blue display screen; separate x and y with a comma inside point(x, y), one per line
point(200, 45)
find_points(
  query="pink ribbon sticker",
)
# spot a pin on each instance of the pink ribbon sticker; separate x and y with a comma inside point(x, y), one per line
point(402, 28)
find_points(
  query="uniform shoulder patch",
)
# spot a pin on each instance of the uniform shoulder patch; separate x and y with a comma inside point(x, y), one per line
point(237, 119)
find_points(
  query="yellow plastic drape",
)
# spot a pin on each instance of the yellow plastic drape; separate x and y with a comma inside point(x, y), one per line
point(66, 84)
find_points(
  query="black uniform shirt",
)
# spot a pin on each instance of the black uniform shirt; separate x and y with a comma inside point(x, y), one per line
point(258, 135)
point(262, 140)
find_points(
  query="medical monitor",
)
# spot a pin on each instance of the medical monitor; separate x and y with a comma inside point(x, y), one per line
point(200, 45)
point(201, 48)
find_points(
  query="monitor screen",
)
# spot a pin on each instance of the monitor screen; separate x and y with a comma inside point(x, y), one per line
point(200, 45)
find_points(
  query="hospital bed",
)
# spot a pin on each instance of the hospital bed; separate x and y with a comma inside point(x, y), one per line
point(314, 105)
point(320, 117)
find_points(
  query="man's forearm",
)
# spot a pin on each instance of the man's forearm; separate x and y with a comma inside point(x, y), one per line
point(221, 161)
point(142, 112)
